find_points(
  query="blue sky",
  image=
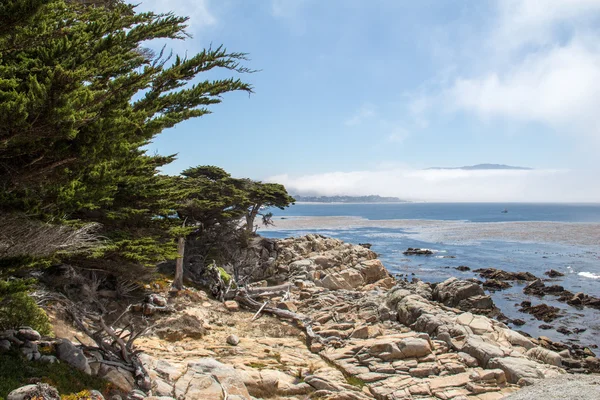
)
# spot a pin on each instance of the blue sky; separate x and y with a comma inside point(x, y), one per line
point(356, 97)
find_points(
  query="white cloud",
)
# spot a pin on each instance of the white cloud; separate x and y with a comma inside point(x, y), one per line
point(451, 185)
point(540, 22)
point(558, 87)
point(539, 62)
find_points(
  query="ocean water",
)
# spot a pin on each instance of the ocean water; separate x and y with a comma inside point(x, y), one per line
point(530, 237)
point(473, 212)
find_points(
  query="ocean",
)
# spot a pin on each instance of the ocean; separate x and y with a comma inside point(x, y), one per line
point(529, 237)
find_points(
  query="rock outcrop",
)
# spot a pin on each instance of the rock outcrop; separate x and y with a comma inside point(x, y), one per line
point(488, 341)
point(371, 337)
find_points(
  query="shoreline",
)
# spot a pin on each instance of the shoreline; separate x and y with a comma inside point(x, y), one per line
point(583, 234)
point(514, 246)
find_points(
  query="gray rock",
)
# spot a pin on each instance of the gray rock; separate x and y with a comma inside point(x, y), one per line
point(233, 340)
point(136, 395)
point(452, 291)
point(6, 335)
point(27, 350)
point(72, 355)
point(468, 360)
point(28, 334)
point(157, 300)
point(208, 378)
point(96, 395)
point(120, 378)
point(41, 391)
point(517, 368)
point(49, 359)
point(4, 345)
point(30, 345)
point(544, 355)
point(482, 351)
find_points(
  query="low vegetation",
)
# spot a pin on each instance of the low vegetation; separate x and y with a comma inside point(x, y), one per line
point(15, 371)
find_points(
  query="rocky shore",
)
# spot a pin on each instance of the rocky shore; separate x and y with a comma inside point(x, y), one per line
point(332, 324)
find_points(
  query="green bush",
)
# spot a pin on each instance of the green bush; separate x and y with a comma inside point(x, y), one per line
point(15, 372)
point(17, 308)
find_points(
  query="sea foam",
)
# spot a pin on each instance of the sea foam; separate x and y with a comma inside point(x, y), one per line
point(589, 275)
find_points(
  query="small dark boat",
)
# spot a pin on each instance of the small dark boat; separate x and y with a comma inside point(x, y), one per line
point(504, 211)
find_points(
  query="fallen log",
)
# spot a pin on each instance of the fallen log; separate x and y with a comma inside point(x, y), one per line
point(304, 322)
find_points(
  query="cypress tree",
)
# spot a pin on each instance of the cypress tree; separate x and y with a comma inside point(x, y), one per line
point(80, 97)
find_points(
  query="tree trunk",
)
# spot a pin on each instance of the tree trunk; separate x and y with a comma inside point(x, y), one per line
point(250, 217)
point(178, 280)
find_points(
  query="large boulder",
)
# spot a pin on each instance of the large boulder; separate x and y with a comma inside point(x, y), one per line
point(72, 355)
point(482, 351)
point(28, 334)
point(120, 378)
point(452, 291)
point(347, 279)
point(397, 349)
point(38, 391)
point(269, 382)
point(544, 355)
point(477, 323)
point(372, 270)
point(517, 368)
point(209, 379)
point(180, 326)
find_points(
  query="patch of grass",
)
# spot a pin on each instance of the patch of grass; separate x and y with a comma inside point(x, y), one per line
point(161, 283)
point(15, 371)
point(354, 381)
point(351, 380)
point(277, 356)
point(257, 365)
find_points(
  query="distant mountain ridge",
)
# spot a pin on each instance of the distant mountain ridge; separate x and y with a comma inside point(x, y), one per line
point(347, 199)
point(485, 167)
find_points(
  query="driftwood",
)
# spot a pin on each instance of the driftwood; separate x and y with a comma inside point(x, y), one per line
point(259, 290)
point(259, 311)
point(304, 322)
point(115, 345)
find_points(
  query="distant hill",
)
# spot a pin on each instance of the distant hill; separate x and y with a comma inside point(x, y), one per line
point(484, 167)
point(347, 199)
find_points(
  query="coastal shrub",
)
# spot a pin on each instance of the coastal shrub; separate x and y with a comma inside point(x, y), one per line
point(17, 308)
point(15, 372)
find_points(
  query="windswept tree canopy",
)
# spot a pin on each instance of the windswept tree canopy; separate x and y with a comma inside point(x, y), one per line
point(213, 196)
point(80, 95)
point(262, 196)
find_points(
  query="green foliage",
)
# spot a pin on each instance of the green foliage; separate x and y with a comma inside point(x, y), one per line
point(209, 196)
point(224, 275)
point(17, 308)
point(262, 196)
point(15, 372)
point(80, 97)
point(212, 196)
